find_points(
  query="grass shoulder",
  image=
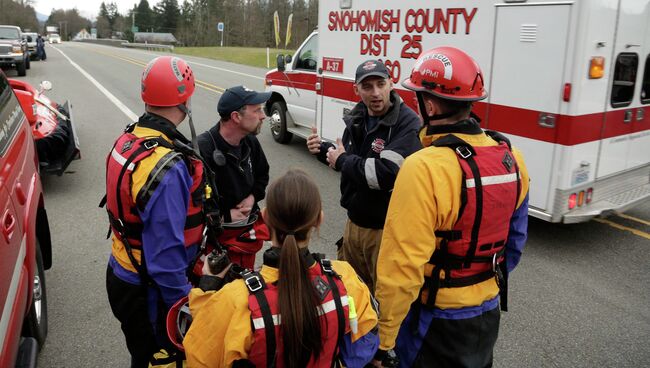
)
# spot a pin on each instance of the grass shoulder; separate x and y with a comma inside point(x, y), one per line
point(241, 55)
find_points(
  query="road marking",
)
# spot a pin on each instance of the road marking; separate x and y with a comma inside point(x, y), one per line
point(633, 218)
point(640, 233)
point(110, 96)
point(205, 85)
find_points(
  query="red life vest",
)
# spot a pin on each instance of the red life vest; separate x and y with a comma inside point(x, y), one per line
point(267, 349)
point(473, 251)
point(129, 150)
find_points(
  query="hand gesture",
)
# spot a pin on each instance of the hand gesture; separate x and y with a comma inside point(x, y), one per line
point(313, 141)
point(334, 153)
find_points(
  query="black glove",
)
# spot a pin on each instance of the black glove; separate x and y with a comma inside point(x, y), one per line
point(388, 358)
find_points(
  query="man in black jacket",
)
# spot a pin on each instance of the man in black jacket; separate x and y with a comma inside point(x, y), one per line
point(380, 132)
point(241, 170)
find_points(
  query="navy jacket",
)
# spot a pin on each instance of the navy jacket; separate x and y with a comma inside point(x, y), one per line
point(372, 159)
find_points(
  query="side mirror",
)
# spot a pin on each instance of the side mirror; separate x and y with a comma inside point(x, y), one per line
point(288, 59)
point(280, 63)
point(29, 39)
point(46, 85)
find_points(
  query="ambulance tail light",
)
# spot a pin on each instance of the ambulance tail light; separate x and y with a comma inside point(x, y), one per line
point(596, 67)
point(590, 195)
point(581, 198)
point(566, 96)
point(573, 200)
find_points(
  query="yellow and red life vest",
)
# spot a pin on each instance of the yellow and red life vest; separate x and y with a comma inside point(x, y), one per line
point(267, 348)
point(473, 251)
point(129, 150)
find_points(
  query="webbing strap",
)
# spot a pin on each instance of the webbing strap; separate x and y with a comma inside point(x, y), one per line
point(326, 266)
point(471, 251)
point(256, 286)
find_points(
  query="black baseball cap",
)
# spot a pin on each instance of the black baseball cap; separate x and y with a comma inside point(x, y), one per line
point(371, 68)
point(235, 98)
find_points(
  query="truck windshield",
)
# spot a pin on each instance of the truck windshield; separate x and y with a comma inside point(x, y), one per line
point(9, 34)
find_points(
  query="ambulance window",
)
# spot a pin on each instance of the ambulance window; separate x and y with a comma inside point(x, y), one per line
point(624, 79)
point(307, 59)
point(645, 87)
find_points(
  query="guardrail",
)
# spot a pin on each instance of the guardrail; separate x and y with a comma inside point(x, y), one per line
point(149, 46)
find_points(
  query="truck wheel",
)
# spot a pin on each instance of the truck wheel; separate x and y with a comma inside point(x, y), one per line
point(21, 68)
point(279, 123)
point(35, 324)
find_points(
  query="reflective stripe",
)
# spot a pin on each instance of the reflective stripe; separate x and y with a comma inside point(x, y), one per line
point(13, 291)
point(371, 174)
point(392, 156)
point(121, 159)
point(490, 180)
point(258, 323)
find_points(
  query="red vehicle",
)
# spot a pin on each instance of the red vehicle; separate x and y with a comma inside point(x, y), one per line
point(52, 127)
point(25, 246)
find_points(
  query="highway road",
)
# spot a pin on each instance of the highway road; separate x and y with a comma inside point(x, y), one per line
point(580, 297)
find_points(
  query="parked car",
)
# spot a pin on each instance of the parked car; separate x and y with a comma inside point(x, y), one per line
point(53, 129)
point(25, 245)
point(13, 49)
point(54, 38)
point(30, 38)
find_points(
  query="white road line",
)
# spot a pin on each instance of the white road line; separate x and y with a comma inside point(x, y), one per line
point(110, 96)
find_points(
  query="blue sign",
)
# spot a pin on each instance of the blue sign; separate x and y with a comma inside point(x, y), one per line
point(220, 26)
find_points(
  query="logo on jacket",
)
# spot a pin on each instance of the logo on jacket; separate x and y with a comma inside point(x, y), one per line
point(127, 146)
point(378, 145)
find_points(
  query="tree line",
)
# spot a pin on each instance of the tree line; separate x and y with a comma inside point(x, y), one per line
point(247, 23)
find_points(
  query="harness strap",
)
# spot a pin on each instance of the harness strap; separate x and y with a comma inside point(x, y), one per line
point(326, 267)
point(256, 286)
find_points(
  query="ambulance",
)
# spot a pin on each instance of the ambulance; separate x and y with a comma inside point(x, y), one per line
point(568, 83)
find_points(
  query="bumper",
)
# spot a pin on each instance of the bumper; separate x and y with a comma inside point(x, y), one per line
point(9, 59)
point(616, 193)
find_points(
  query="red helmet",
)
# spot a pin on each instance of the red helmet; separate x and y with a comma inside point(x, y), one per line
point(179, 320)
point(448, 73)
point(167, 81)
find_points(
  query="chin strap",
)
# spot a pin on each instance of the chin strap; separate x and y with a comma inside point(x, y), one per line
point(188, 112)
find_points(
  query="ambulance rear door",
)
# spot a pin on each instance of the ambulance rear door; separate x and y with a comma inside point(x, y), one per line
point(625, 143)
point(530, 49)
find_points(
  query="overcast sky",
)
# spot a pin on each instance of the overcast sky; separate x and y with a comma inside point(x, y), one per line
point(87, 8)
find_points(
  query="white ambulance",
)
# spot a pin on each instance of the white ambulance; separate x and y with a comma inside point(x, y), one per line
point(568, 83)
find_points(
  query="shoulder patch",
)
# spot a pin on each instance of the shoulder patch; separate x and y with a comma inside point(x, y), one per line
point(321, 287)
point(507, 161)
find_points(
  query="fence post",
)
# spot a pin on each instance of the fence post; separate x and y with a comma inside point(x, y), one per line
point(268, 62)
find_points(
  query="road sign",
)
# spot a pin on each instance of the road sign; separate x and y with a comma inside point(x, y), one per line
point(220, 26)
point(134, 29)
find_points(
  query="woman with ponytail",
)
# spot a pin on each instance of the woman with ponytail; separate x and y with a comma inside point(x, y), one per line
point(300, 310)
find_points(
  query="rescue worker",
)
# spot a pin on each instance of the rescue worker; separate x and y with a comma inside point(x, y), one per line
point(380, 131)
point(232, 151)
point(458, 220)
point(325, 311)
point(154, 191)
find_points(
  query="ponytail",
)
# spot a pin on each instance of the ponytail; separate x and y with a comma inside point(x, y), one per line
point(301, 332)
point(293, 209)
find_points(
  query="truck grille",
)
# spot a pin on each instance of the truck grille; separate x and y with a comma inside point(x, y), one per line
point(4, 49)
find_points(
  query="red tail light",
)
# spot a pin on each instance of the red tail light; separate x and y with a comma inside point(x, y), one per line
point(572, 201)
point(590, 194)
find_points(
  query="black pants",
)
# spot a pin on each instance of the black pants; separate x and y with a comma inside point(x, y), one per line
point(129, 305)
point(460, 343)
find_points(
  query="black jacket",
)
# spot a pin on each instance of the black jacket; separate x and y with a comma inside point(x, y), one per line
point(244, 172)
point(372, 159)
